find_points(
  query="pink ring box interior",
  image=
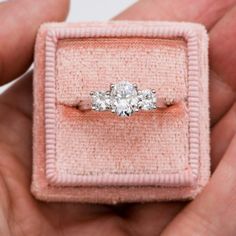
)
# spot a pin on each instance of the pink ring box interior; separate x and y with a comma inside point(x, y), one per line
point(98, 157)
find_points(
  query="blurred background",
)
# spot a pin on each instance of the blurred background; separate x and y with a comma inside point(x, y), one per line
point(92, 10)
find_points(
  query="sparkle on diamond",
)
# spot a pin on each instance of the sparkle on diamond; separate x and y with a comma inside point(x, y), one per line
point(100, 101)
point(147, 100)
point(124, 99)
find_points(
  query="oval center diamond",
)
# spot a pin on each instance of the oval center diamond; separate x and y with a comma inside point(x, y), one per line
point(124, 98)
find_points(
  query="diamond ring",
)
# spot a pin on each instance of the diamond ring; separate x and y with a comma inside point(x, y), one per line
point(124, 99)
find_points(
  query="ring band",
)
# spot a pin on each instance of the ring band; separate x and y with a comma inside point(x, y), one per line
point(124, 99)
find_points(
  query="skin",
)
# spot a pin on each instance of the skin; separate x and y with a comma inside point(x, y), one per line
point(213, 212)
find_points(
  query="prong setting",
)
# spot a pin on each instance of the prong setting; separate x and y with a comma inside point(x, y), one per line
point(169, 101)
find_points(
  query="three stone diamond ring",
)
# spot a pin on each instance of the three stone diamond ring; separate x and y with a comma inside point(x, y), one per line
point(124, 99)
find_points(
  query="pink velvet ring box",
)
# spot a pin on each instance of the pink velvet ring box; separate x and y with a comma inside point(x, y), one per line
point(98, 157)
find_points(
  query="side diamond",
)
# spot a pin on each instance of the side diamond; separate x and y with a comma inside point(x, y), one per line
point(147, 99)
point(100, 101)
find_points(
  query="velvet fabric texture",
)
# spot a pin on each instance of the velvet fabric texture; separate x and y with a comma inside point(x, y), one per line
point(101, 158)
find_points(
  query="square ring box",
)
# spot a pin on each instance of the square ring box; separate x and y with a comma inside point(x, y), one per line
point(98, 157)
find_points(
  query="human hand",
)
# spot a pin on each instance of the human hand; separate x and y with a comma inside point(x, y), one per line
point(213, 212)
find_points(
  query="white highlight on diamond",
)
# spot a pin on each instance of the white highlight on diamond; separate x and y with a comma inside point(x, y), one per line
point(147, 100)
point(100, 101)
point(124, 100)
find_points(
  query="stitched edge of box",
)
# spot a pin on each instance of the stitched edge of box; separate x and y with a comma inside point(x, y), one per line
point(184, 179)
